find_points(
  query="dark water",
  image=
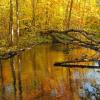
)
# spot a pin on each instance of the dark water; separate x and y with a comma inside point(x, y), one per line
point(33, 76)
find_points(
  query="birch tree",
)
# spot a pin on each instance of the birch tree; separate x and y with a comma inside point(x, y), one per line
point(11, 29)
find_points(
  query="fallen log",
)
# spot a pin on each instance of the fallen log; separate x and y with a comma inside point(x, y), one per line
point(83, 32)
point(72, 64)
point(76, 61)
point(75, 66)
point(11, 54)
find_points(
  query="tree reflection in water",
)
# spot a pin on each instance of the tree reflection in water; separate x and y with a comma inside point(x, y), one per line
point(89, 89)
point(34, 76)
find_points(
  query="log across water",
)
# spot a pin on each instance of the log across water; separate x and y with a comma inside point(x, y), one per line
point(75, 66)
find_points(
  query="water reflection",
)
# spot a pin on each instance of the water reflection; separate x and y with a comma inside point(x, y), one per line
point(13, 75)
point(19, 77)
point(2, 82)
point(33, 76)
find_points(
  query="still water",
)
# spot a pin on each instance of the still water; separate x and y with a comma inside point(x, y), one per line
point(33, 76)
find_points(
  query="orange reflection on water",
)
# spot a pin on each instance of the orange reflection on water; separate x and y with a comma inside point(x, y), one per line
point(33, 76)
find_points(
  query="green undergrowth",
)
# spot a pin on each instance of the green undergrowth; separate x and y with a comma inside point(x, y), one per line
point(97, 36)
point(23, 42)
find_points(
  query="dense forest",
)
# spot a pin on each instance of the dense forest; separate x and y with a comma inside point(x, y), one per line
point(23, 21)
point(49, 49)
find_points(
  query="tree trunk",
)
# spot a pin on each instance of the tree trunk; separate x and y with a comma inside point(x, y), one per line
point(66, 15)
point(70, 13)
point(17, 20)
point(11, 30)
point(83, 15)
point(33, 14)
